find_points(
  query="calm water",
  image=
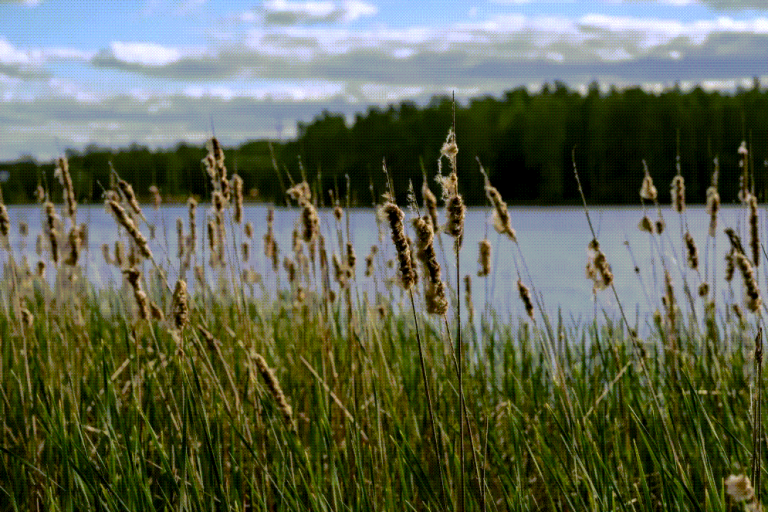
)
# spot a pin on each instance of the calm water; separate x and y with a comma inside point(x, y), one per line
point(552, 240)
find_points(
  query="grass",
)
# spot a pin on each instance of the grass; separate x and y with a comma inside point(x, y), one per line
point(103, 410)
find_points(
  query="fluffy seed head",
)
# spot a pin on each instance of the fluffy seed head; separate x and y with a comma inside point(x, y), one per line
point(180, 305)
point(693, 252)
point(678, 193)
point(525, 296)
point(646, 224)
point(237, 192)
point(394, 216)
point(273, 385)
point(485, 258)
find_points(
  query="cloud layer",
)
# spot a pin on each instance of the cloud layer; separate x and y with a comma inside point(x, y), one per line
point(288, 60)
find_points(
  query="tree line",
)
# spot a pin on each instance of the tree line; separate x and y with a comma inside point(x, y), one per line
point(524, 140)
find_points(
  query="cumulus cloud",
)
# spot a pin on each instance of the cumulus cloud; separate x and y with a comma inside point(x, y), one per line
point(309, 12)
point(29, 62)
point(505, 49)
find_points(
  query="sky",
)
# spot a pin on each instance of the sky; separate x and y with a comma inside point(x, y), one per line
point(157, 72)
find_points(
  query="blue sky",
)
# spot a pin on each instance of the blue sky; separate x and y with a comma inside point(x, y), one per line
point(157, 72)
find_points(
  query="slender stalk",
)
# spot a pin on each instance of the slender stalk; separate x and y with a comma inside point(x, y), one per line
point(429, 402)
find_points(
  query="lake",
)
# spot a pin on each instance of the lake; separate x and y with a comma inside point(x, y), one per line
point(552, 240)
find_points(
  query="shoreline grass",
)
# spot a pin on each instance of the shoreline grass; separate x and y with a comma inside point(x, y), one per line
point(323, 397)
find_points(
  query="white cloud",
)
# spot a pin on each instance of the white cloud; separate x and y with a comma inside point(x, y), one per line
point(292, 12)
point(146, 54)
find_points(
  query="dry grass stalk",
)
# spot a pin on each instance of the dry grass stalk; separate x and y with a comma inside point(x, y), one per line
point(670, 304)
point(273, 385)
point(703, 289)
point(678, 193)
point(338, 213)
point(735, 240)
point(133, 276)
point(598, 269)
point(310, 221)
point(501, 221)
point(74, 246)
point(248, 230)
point(125, 220)
point(40, 194)
point(525, 296)
point(156, 312)
point(752, 298)
point(693, 252)
point(23, 229)
point(392, 214)
point(744, 193)
point(119, 253)
point(180, 240)
point(192, 205)
point(648, 191)
point(156, 197)
point(180, 304)
point(39, 244)
point(246, 248)
point(485, 258)
point(646, 224)
point(5, 221)
point(213, 241)
point(434, 288)
point(369, 261)
point(130, 196)
point(351, 258)
point(713, 200)
point(269, 237)
point(62, 173)
point(107, 257)
point(754, 234)
point(237, 192)
point(53, 234)
point(41, 269)
point(660, 225)
point(300, 192)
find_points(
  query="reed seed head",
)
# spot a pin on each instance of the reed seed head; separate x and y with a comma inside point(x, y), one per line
point(647, 189)
point(646, 224)
point(713, 206)
point(156, 197)
point(693, 252)
point(525, 296)
point(434, 288)
point(485, 258)
point(394, 216)
point(273, 385)
point(311, 222)
point(752, 299)
point(678, 193)
point(5, 221)
point(754, 233)
point(180, 304)
point(237, 192)
point(125, 220)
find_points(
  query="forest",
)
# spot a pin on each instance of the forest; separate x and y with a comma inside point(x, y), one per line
point(524, 140)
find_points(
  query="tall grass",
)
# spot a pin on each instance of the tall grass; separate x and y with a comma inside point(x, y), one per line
point(313, 393)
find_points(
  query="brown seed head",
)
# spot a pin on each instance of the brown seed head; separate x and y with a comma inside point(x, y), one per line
point(180, 304)
point(485, 258)
point(394, 216)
